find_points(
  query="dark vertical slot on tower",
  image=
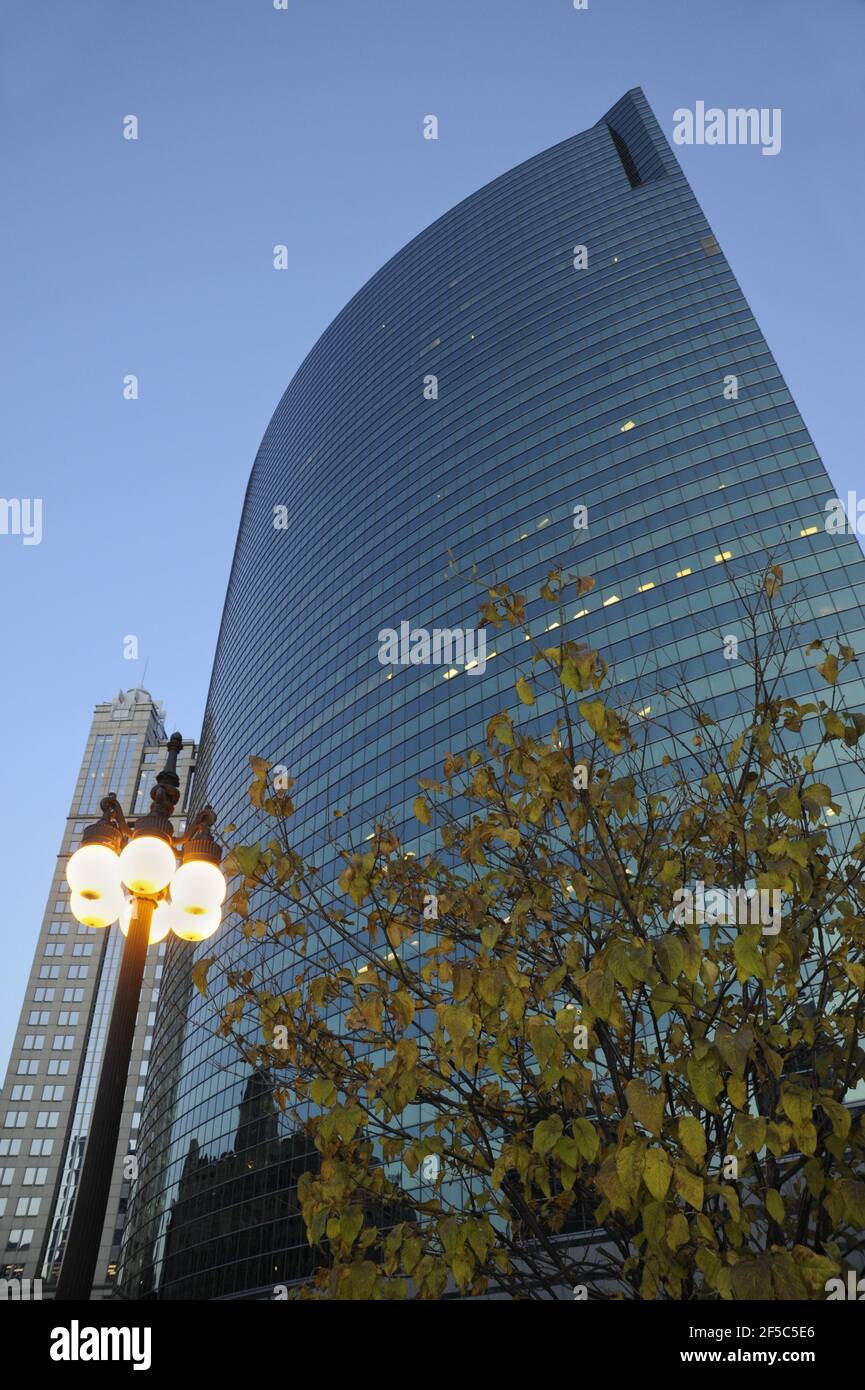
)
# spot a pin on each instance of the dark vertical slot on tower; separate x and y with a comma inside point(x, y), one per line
point(625, 156)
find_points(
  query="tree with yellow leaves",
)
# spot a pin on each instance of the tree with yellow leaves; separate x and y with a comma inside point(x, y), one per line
point(567, 1084)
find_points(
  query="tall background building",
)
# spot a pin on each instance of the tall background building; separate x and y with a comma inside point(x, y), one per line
point(54, 1067)
point(480, 387)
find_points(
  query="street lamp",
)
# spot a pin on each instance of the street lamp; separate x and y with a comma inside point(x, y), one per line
point(131, 873)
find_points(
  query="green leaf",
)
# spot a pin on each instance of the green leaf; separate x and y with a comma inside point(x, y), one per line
point(524, 690)
point(607, 1181)
point(547, 1134)
point(705, 1080)
point(709, 1264)
point(350, 1225)
point(852, 1194)
point(630, 1161)
point(774, 1205)
point(500, 728)
point(657, 1173)
point(458, 1022)
point(570, 676)
point(594, 714)
point(361, 1280)
point(247, 857)
point(734, 1047)
point(816, 796)
point(677, 1230)
point(599, 988)
point(322, 1091)
point(797, 1105)
point(839, 1115)
point(670, 955)
point(692, 1137)
point(735, 751)
point(790, 804)
point(546, 1043)
point(751, 1132)
point(646, 1105)
point(748, 956)
point(654, 1222)
point(587, 1139)
point(829, 669)
point(752, 1280)
point(689, 1187)
point(737, 1090)
point(403, 1007)
point(787, 1281)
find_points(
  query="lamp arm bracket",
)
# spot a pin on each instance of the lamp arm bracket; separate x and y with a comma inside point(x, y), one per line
point(112, 811)
point(200, 825)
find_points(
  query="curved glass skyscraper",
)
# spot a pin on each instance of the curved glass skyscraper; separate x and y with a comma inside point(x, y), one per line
point(570, 335)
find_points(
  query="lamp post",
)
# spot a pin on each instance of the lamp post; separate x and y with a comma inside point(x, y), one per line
point(161, 896)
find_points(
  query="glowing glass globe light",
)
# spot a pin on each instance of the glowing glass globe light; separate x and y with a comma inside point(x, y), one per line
point(160, 922)
point(146, 864)
point(195, 926)
point(96, 912)
point(94, 872)
point(198, 888)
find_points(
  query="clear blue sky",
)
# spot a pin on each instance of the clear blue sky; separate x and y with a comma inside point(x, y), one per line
point(303, 127)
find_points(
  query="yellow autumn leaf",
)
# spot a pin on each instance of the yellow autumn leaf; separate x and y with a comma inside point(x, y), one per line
point(524, 690)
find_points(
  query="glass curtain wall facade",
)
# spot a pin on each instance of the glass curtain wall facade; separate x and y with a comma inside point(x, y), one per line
point(481, 386)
